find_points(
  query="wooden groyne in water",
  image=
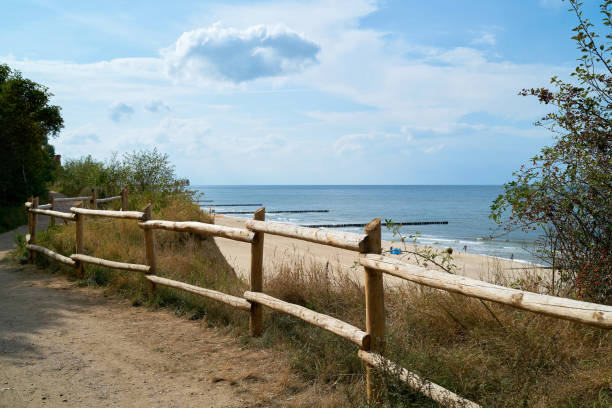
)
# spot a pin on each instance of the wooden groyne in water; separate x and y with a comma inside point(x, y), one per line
point(364, 224)
point(235, 205)
point(274, 212)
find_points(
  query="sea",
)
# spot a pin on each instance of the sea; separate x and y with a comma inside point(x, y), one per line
point(465, 208)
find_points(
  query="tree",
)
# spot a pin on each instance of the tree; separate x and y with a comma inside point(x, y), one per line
point(566, 190)
point(78, 176)
point(150, 170)
point(27, 120)
point(146, 172)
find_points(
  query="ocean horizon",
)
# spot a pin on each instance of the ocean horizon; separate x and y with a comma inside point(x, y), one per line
point(466, 208)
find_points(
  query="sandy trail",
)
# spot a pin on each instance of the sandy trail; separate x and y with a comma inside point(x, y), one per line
point(67, 346)
point(277, 248)
point(63, 345)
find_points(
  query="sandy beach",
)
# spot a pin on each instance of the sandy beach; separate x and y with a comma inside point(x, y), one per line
point(277, 248)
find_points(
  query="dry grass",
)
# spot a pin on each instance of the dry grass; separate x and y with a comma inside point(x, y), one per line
point(492, 354)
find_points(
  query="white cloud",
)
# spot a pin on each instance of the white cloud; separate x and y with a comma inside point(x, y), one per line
point(157, 106)
point(118, 111)
point(434, 148)
point(239, 55)
point(269, 143)
point(81, 135)
point(188, 136)
point(194, 137)
point(318, 18)
point(556, 4)
point(219, 107)
point(485, 38)
point(459, 56)
point(372, 141)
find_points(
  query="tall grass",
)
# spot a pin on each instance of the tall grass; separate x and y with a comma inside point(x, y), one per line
point(492, 354)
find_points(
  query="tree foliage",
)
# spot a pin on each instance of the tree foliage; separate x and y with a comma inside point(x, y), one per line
point(145, 172)
point(78, 176)
point(151, 170)
point(27, 120)
point(566, 190)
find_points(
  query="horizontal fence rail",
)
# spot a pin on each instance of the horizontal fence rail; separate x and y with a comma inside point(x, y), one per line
point(583, 312)
point(336, 326)
point(56, 214)
point(344, 240)
point(132, 215)
point(273, 212)
point(364, 224)
point(59, 199)
point(238, 303)
point(236, 234)
point(432, 390)
point(229, 205)
point(106, 200)
point(44, 206)
point(53, 255)
point(110, 264)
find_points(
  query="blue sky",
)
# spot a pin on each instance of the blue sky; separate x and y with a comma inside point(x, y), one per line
point(299, 92)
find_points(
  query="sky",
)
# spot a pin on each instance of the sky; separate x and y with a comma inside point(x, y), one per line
point(299, 92)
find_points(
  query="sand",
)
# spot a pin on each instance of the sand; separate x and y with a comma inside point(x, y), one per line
point(277, 248)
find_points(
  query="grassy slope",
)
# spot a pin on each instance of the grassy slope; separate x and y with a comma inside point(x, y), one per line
point(489, 353)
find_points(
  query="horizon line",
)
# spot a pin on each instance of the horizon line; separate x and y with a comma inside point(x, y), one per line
point(353, 185)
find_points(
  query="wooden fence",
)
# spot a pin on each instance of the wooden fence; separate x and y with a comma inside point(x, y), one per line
point(368, 245)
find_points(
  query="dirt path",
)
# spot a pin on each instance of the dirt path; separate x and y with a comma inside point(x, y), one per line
point(61, 345)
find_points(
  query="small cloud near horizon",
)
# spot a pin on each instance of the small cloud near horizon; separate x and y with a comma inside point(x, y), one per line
point(157, 106)
point(83, 138)
point(485, 38)
point(435, 148)
point(551, 3)
point(120, 110)
point(82, 135)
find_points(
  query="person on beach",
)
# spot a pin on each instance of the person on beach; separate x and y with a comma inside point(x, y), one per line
point(465, 248)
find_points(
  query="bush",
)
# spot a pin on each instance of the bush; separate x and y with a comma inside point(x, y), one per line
point(566, 191)
point(78, 176)
point(147, 173)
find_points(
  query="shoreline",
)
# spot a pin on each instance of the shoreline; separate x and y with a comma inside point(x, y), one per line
point(436, 242)
point(279, 249)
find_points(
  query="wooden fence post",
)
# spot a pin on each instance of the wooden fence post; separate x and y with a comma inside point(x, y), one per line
point(52, 218)
point(257, 248)
point(150, 244)
point(79, 228)
point(33, 226)
point(94, 199)
point(124, 199)
point(29, 234)
point(375, 307)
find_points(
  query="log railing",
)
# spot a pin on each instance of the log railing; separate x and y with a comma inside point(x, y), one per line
point(93, 200)
point(370, 341)
point(568, 309)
